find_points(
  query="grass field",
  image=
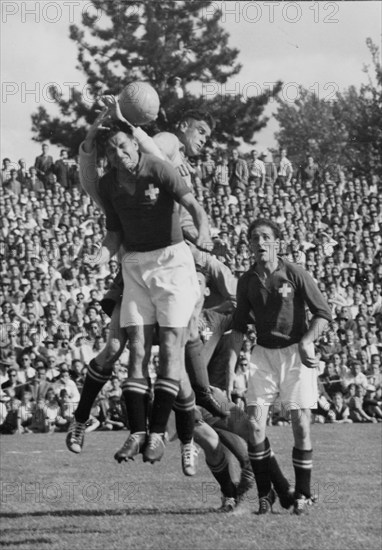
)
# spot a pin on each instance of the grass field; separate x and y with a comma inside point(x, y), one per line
point(52, 499)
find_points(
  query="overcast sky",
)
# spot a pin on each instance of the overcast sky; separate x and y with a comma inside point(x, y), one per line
point(320, 45)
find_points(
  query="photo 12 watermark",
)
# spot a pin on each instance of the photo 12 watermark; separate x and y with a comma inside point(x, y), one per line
point(272, 12)
point(69, 492)
point(290, 92)
point(68, 11)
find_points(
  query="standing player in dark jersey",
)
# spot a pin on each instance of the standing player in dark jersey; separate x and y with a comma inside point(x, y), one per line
point(234, 429)
point(276, 293)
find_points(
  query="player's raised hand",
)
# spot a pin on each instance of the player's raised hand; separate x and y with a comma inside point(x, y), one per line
point(102, 117)
point(112, 104)
point(98, 124)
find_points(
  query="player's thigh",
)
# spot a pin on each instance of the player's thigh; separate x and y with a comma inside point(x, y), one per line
point(174, 286)
point(298, 388)
point(263, 377)
point(137, 306)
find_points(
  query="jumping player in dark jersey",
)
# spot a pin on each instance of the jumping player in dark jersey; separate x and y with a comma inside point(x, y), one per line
point(192, 132)
point(138, 196)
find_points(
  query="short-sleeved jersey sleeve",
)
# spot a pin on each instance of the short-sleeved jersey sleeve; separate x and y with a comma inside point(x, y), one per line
point(312, 295)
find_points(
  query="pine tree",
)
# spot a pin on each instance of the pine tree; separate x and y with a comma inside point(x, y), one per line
point(155, 42)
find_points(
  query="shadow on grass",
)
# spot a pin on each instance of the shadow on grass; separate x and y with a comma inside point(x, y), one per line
point(111, 512)
point(40, 540)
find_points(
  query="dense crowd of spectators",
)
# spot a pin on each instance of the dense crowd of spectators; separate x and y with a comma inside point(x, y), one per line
point(52, 323)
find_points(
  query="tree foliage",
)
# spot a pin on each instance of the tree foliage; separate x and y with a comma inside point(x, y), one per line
point(346, 131)
point(155, 41)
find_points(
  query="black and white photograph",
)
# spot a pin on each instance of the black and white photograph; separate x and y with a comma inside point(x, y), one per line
point(191, 257)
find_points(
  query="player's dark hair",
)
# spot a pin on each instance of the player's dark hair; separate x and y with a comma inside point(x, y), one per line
point(113, 128)
point(198, 115)
point(268, 223)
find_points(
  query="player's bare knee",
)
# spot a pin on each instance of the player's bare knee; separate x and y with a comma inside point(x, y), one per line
point(301, 424)
point(115, 347)
point(256, 431)
point(112, 352)
point(172, 339)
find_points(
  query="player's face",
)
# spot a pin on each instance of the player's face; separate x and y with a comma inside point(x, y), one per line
point(122, 152)
point(193, 135)
point(264, 245)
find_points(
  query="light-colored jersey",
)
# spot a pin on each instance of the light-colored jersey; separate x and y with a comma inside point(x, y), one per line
point(173, 150)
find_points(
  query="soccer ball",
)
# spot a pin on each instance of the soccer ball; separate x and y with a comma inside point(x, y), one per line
point(139, 103)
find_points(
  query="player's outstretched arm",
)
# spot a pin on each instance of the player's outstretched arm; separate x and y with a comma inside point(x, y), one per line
point(88, 158)
point(89, 142)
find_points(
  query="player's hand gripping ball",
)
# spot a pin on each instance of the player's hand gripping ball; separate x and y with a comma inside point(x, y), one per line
point(139, 103)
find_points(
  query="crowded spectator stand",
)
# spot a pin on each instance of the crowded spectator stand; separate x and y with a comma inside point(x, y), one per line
point(51, 320)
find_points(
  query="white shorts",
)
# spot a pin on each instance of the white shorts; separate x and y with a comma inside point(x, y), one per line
point(160, 286)
point(279, 374)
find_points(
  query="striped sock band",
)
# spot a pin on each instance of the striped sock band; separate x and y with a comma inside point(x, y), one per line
point(220, 466)
point(184, 403)
point(167, 385)
point(136, 385)
point(95, 375)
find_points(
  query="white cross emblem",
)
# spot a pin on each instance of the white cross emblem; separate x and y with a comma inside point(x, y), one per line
point(152, 192)
point(206, 334)
point(285, 290)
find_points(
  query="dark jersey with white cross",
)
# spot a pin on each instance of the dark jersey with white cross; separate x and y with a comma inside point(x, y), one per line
point(278, 311)
point(148, 218)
